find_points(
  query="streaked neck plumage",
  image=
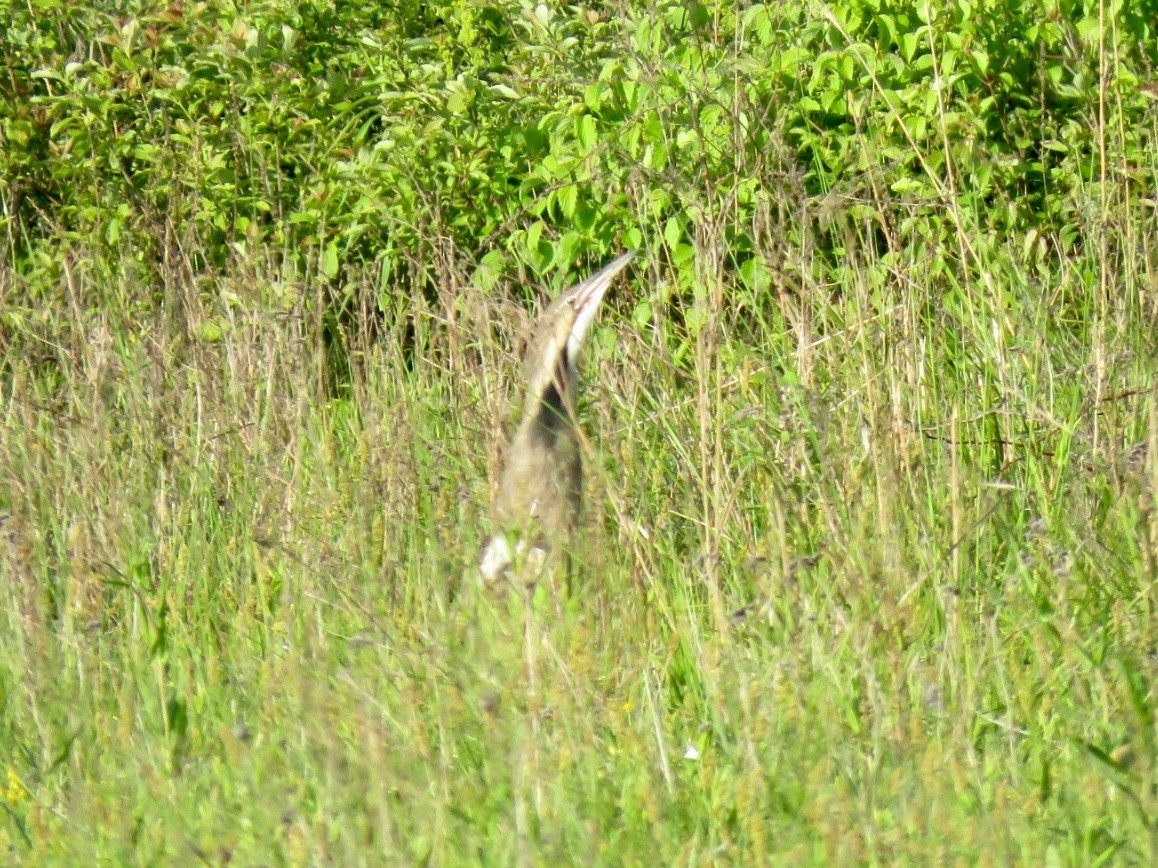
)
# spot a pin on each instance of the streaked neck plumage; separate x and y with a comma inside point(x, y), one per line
point(537, 508)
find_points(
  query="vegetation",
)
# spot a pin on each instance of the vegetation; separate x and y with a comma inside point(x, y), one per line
point(871, 532)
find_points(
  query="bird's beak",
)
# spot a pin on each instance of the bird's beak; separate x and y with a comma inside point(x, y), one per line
point(584, 300)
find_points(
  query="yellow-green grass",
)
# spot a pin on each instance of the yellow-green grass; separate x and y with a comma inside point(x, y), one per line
point(868, 572)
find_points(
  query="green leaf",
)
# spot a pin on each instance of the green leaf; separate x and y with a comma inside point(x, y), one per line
point(593, 96)
point(585, 132)
point(490, 269)
point(210, 331)
point(504, 91)
point(643, 314)
point(566, 249)
point(756, 274)
point(567, 198)
point(534, 234)
point(330, 260)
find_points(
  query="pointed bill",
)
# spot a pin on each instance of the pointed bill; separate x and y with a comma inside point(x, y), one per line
point(584, 298)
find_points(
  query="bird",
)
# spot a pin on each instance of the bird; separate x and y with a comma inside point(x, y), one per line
point(536, 510)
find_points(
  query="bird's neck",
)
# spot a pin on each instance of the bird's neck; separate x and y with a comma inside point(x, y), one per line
point(552, 413)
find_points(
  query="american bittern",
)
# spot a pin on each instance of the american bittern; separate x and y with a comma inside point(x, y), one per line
point(537, 508)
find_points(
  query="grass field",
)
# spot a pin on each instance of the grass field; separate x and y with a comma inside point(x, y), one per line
point(869, 543)
point(893, 586)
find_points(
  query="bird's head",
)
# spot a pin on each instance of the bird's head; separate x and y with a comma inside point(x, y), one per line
point(552, 358)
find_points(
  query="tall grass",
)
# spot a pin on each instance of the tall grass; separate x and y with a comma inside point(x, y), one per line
point(862, 581)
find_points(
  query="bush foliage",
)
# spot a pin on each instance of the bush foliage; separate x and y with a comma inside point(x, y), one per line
point(346, 136)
